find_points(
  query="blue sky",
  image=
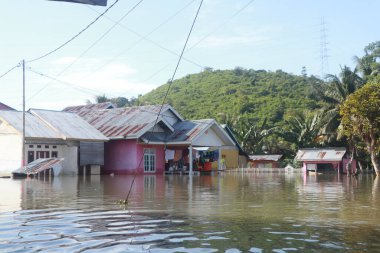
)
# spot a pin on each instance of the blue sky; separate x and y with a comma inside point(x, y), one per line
point(141, 52)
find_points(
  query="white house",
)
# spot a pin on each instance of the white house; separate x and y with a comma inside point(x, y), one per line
point(47, 134)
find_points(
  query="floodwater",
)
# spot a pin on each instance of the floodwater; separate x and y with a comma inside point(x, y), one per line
point(230, 212)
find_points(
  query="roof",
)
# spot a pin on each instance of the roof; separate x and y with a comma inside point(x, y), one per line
point(321, 155)
point(265, 157)
point(69, 125)
point(6, 107)
point(128, 122)
point(188, 132)
point(44, 124)
point(82, 110)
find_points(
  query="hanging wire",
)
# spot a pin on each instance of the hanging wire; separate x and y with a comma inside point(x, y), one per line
point(167, 92)
point(88, 49)
point(75, 36)
point(10, 70)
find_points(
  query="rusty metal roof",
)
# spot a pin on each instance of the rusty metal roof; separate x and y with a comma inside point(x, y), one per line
point(265, 157)
point(321, 155)
point(128, 122)
point(82, 110)
point(44, 124)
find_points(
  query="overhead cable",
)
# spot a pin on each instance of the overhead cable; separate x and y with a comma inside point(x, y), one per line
point(75, 36)
point(10, 70)
point(92, 45)
point(167, 92)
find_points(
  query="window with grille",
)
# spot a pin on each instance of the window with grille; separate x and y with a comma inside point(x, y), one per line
point(149, 160)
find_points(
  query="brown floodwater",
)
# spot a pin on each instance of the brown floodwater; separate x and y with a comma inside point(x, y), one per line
point(230, 212)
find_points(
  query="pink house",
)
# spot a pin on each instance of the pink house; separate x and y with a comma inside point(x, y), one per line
point(142, 137)
point(324, 160)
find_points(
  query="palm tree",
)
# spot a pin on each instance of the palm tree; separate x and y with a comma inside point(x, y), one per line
point(369, 64)
point(303, 129)
point(334, 93)
point(251, 134)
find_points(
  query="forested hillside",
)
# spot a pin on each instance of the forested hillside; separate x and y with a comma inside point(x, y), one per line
point(225, 94)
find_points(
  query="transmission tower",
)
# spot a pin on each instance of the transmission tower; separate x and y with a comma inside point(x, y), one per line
point(323, 49)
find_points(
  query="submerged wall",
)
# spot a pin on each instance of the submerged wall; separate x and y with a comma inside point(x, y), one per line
point(126, 157)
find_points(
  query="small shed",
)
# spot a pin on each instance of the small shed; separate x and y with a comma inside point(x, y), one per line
point(324, 159)
point(264, 161)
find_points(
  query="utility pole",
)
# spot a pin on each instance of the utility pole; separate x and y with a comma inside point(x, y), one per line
point(23, 114)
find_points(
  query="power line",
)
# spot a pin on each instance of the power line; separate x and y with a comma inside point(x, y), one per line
point(91, 46)
point(143, 37)
point(78, 87)
point(10, 70)
point(167, 92)
point(221, 25)
point(75, 36)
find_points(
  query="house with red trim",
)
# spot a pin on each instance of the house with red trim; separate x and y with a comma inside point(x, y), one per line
point(151, 139)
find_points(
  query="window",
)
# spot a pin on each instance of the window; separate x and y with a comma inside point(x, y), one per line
point(42, 154)
point(38, 146)
point(149, 160)
point(46, 146)
point(30, 156)
point(54, 146)
point(31, 146)
point(54, 154)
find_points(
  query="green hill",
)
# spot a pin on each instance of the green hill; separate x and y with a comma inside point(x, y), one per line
point(256, 94)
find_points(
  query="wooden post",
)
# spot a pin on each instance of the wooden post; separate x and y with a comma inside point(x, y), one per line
point(190, 159)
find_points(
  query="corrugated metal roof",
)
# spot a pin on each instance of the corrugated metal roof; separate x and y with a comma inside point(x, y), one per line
point(82, 110)
point(34, 127)
point(326, 154)
point(265, 157)
point(69, 125)
point(128, 122)
point(46, 124)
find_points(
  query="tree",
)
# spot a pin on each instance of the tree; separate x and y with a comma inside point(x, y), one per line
point(361, 119)
point(251, 134)
point(334, 93)
point(369, 64)
point(302, 129)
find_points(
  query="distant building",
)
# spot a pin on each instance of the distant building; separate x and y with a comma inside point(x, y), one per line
point(49, 134)
point(264, 161)
point(150, 139)
point(324, 160)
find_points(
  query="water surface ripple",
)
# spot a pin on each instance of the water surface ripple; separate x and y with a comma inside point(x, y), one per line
point(232, 212)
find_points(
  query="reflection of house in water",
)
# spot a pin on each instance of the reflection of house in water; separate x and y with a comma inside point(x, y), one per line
point(324, 160)
point(150, 139)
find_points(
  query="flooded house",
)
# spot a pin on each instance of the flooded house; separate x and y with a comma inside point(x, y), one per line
point(153, 139)
point(235, 156)
point(49, 134)
point(265, 161)
point(324, 160)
